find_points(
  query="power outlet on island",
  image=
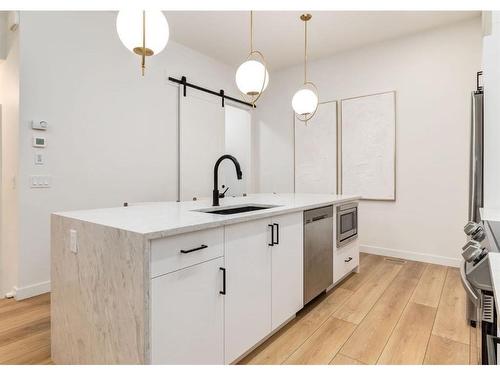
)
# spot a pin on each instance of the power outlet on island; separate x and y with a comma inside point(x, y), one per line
point(73, 242)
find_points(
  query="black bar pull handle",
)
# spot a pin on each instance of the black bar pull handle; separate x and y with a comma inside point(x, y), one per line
point(348, 260)
point(223, 291)
point(277, 233)
point(195, 249)
point(272, 234)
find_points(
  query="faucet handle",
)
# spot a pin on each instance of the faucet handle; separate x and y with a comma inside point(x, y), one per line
point(223, 194)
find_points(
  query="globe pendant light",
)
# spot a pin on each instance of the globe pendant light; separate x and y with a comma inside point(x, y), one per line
point(143, 32)
point(252, 77)
point(305, 101)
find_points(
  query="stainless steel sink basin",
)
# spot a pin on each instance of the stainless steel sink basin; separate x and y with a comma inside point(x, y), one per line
point(235, 209)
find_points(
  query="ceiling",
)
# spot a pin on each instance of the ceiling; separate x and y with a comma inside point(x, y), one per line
point(279, 35)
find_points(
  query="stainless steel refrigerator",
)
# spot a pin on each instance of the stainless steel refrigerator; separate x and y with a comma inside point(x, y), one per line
point(475, 186)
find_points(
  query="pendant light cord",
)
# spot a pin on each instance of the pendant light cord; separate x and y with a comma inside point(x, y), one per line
point(143, 41)
point(251, 31)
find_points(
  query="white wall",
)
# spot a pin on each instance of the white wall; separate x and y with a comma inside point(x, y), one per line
point(433, 73)
point(112, 133)
point(9, 99)
point(3, 36)
point(491, 81)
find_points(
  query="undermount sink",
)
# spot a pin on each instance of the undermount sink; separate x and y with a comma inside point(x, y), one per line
point(235, 209)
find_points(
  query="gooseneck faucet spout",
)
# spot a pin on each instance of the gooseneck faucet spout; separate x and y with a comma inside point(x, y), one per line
point(216, 175)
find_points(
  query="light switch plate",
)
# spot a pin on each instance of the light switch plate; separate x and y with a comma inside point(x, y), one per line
point(40, 181)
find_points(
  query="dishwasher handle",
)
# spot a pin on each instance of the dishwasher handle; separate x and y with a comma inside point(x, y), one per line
point(319, 217)
point(317, 214)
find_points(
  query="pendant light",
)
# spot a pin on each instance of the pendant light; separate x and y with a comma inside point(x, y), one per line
point(143, 32)
point(252, 77)
point(305, 101)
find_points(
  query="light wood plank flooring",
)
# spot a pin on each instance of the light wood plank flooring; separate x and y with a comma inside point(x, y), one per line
point(25, 331)
point(389, 313)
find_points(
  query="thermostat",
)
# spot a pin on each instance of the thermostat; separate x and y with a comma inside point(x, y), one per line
point(39, 141)
point(39, 125)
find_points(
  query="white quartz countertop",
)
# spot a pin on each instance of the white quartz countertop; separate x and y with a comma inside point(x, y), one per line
point(490, 214)
point(495, 274)
point(162, 219)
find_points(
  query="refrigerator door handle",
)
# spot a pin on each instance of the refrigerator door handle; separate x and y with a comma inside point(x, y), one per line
point(468, 289)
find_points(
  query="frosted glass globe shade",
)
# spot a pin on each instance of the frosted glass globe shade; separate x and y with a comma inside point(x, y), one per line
point(129, 28)
point(249, 77)
point(305, 101)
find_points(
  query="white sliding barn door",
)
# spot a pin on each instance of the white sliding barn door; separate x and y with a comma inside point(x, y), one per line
point(237, 143)
point(316, 152)
point(201, 142)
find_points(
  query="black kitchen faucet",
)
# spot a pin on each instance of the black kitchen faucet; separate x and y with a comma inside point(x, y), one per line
point(216, 175)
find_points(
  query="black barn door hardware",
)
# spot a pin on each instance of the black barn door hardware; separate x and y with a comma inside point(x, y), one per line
point(183, 81)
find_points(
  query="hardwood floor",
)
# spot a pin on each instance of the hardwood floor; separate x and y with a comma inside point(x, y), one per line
point(389, 313)
point(25, 331)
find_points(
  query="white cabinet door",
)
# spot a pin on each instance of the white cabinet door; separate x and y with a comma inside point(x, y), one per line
point(248, 287)
point(187, 313)
point(287, 267)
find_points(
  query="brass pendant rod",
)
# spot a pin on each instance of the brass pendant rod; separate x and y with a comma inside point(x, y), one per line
point(251, 31)
point(143, 41)
point(305, 51)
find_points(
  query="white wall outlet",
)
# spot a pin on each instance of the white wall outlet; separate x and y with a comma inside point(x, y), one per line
point(39, 158)
point(39, 124)
point(73, 241)
point(40, 181)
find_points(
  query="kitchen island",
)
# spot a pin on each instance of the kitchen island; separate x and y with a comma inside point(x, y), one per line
point(168, 282)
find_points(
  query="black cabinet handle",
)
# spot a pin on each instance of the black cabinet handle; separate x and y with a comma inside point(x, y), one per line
point(195, 249)
point(348, 260)
point(272, 234)
point(277, 233)
point(223, 291)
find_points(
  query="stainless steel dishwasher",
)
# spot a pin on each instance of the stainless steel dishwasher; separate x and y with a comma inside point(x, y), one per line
point(318, 251)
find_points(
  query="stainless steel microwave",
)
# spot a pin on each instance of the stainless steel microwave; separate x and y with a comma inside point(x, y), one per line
point(347, 223)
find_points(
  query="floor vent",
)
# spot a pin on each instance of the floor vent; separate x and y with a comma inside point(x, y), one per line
point(487, 308)
point(395, 260)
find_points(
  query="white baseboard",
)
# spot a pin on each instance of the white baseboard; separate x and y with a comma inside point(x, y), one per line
point(31, 290)
point(410, 255)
